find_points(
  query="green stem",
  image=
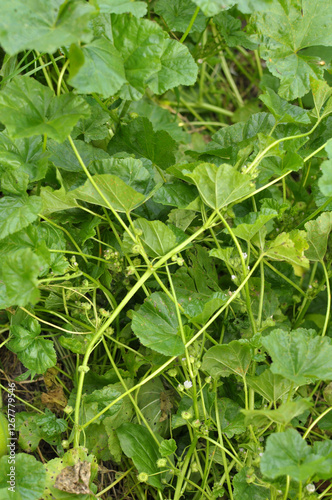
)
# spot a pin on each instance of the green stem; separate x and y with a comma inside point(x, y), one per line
point(315, 422)
point(22, 400)
point(287, 487)
point(261, 296)
point(203, 70)
point(226, 71)
point(304, 305)
point(278, 141)
point(61, 75)
point(68, 234)
point(328, 288)
point(316, 212)
point(190, 25)
point(259, 65)
point(114, 483)
point(98, 334)
point(290, 282)
point(223, 454)
point(101, 194)
point(46, 75)
point(181, 477)
point(244, 271)
point(204, 105)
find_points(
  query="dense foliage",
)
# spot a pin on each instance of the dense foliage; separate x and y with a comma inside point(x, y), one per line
point(165, 213)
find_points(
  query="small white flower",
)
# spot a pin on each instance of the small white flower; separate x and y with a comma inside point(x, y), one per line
point(241, 450)
point(248, 268)
point(310, 488)
point(183, 359)
point(245, 255)
point(310, 286)
point(187, 384)
point(199, 61)
point(233, 276)
point(260, 454)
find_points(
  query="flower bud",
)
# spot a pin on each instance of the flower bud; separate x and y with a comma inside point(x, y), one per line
point(143, 477)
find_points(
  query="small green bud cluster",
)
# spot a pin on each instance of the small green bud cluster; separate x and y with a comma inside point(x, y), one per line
point(136, 249)
point(104, 313)
point(74, 264)
point(162, 462)
point(177, 259)
point(143, 477)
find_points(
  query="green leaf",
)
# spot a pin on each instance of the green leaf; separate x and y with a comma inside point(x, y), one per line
point(282, 415)
point(176, 194)
point(244, 490)
point(140, 43)
point(279, 165)
point(17, 213)
point(318, 232)
point(121, 197)
point(130, 170)
point(231, 418)
point(94, 127)
point(321, 91)
point(24, 330)
point(269, 385)
point(55, 201)
point(157, 238)
point(43, 25)
point(249, 6)
point(30, 478)
point(300, 355)
point(35, 426)
point(181, 218)
point(111, 423)
point(21, 159)
point(155, 324)
point(230, 29)
point(138, 138)
point(227, 359)
point(18, 278)
point(29, 108)
point(177, 68)
point(161, 119)
point(249, 225)
point(325, 181)
point(220, 186)
point(102, 71)
point(39, 356)
point(289, 247)
point(286, 28)
point(198, 293)
point(178, 14)
point(212, 7)
point(138, 9)
point(282, 110)
point(149, 401)
point(63, 156)
point(243, 131)
point(98, 398)
point(286, 453)
point(137, 444)
point(167, 447)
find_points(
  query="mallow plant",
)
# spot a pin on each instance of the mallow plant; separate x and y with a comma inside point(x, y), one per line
point(165, 252)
